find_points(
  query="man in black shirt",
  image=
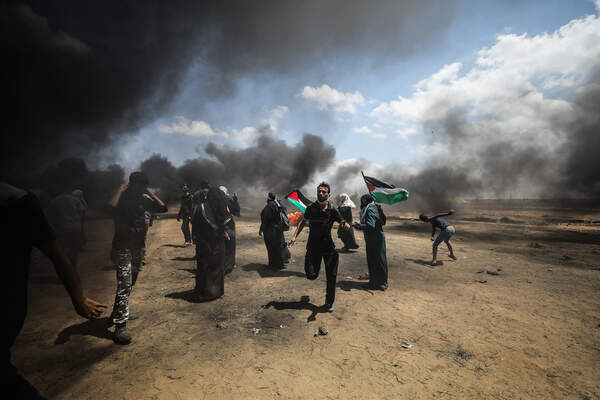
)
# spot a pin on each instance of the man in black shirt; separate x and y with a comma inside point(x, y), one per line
point(321, 216)
point(24, 220)
point(130, 204)
point(186, 209)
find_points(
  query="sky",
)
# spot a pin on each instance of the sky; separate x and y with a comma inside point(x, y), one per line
point(449, 99)
point(355, 101)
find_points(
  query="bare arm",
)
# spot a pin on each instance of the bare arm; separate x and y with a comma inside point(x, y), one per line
point(442, 214)
point(155, 198)
point(84, 306)
point(297, 232)
point(114, 201)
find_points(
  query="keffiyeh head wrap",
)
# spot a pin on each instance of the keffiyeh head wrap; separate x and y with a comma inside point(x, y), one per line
point(343, 200)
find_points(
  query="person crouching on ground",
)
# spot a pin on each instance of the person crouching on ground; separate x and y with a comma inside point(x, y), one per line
point(446, 232)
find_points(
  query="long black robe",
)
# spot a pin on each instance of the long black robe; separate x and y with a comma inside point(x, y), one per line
point(347, 236)
point(273, 235)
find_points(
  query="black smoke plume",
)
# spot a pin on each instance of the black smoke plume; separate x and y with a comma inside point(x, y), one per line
point(79, 74)
point(270, 165)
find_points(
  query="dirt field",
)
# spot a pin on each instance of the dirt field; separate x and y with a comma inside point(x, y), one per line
point(517, 316)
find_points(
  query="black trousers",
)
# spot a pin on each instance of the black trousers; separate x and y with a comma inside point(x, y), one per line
point(210, 268)
point(185, 228)
point(312, 267)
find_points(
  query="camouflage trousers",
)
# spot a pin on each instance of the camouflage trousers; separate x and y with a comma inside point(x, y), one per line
point(129, 264)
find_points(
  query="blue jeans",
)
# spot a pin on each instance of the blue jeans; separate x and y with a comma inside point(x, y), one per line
point(444, 236)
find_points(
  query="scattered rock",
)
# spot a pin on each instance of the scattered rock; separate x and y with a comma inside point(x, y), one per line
point(400, 380)
point(528, 281)
point(396, 365)
point(481, 271)
point(463, 353)
point(492, 273)
point(256, 331)
point(481, 281)
point(550, 269)
point(322, 331)
point(221, 325)
point(566, 258)
point(406, 345)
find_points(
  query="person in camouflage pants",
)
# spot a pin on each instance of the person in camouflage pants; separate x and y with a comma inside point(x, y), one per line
point(130, 205)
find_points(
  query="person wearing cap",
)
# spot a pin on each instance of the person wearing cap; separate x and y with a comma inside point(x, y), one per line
point(129, 205)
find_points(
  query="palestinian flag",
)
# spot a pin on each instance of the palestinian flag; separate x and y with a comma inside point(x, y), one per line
point(298, 199)
point(384, 192)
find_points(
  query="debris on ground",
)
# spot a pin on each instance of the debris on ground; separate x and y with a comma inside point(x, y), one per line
point(406, 345)
point(221, 325)
point(492, 273)
point(481, 271)
point(400, 380)
point(256, 331)
point(322, 331)
point(481, 281)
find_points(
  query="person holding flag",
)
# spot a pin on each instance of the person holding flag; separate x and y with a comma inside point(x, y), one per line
point(372, 219)
point(321, 216)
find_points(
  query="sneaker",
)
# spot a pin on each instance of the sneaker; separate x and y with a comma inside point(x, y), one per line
point(121, 335)
point(328, 307)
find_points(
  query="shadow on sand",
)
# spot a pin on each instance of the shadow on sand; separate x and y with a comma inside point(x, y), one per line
point(177, 246)
point(352, 285)
point(92, 327)
point(303, 304)
point(265, 272)
point(183, 258)
point(189, 296)
point(426, 263)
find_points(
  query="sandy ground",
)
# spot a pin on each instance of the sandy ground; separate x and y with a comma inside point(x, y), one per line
point(528, 330)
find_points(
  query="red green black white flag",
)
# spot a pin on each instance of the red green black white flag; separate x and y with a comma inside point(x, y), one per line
point(384, 192)
point(298, 199)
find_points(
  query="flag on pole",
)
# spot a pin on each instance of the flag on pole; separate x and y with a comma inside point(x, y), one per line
point(298, 199)
point(384, 192)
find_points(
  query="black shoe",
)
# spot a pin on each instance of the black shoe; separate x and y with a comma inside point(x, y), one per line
point(328, 307)
point(121, 335)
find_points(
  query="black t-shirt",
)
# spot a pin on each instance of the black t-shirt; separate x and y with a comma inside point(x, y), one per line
point(187, 206)
point(320, 223)
point(26, 224)
point(130, 224)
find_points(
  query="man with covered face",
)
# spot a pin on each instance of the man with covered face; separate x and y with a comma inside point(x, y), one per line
point(321, 216)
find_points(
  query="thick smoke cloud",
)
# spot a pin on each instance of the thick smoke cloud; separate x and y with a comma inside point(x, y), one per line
point(72, 173)
point(81, 74)
point(269, 165)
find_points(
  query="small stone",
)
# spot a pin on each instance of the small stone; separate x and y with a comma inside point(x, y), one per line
point(323, 330)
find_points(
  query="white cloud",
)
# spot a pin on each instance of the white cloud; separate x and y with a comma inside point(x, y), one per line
point(365, 130)
point(405, 132)
point(184, 126)
point(325, 96)
point(512, 89)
